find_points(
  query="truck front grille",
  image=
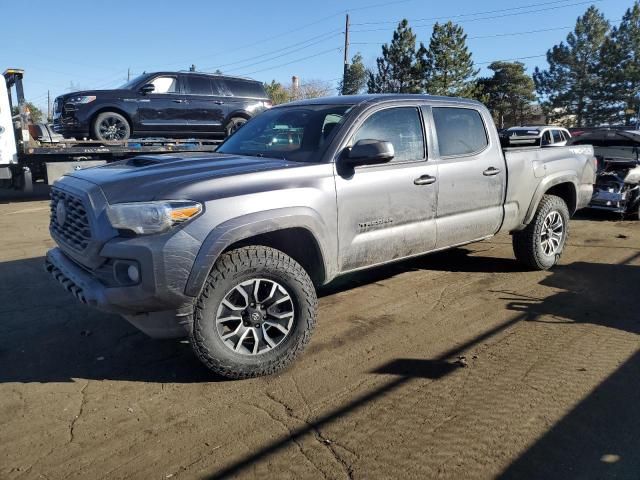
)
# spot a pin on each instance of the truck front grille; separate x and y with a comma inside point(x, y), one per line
point(69, 221)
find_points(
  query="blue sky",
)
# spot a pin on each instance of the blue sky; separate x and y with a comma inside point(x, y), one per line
point(91, 44)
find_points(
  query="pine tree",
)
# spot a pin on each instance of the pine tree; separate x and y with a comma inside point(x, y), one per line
point(621, 67)
point(397, 68)
point(448, 64)
point(573, 87)
point(355, 79)
point(510, 92)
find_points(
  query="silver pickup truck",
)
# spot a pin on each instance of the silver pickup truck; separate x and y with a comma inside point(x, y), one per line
point(228, 248)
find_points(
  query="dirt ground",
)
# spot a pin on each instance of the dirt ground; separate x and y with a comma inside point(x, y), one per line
point(455, 365)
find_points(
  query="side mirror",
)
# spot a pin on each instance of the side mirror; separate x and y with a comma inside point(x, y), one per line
point(369, 152)
point(147, 88)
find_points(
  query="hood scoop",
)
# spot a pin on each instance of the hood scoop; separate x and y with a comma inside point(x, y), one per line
point(142, 161)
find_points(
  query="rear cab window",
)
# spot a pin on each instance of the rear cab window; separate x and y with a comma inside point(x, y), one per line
point(460, 131)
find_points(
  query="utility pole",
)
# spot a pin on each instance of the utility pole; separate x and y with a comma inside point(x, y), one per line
point(48, 106)
point(346, 51)
point(128, 74)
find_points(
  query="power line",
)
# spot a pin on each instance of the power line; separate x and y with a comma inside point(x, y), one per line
point(493, 35)
point(491, 17)
point(511, 59)
point(249, 60)
point(486, 12)
point(324, 52)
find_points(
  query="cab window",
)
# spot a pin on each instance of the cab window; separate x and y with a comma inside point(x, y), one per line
point(557, 136)
point(198, 85)
point(546, 138)
point(164, 84)
point(401, 126)
point(460, 131)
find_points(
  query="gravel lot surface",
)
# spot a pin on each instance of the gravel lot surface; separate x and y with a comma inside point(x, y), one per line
point(455, 365)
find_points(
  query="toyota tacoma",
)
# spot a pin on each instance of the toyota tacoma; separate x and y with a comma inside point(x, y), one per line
point(228, 248)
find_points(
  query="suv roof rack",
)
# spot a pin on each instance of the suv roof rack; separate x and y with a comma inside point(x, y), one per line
point(212, 74)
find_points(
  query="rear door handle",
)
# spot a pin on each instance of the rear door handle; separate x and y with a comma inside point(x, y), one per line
point(424, 180)
point(219, 102)
point(180, 101)
point(491, 171)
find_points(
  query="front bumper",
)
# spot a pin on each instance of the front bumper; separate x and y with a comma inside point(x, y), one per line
point(156, 311)
point(71, 124)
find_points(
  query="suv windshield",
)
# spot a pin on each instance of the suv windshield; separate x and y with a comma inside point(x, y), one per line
point(132, 82)
point(296, 133)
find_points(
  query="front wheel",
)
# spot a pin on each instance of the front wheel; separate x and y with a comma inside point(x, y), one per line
point(255, 314)
point(111, 126)
point(540, 245)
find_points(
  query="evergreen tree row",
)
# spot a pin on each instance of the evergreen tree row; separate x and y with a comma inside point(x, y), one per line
point(592, 78)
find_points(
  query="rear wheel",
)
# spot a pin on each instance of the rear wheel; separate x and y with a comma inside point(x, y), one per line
point(234, 124)
point(111, 126)
point(255, 314)
point(540, 245)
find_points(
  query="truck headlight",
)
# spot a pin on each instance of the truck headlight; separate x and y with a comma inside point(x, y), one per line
point(81, 99)
point(152, 217)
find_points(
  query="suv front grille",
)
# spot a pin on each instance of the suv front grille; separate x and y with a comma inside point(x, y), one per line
point(69, 222)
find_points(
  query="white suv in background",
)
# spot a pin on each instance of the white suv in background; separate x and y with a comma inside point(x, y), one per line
point(544, 135)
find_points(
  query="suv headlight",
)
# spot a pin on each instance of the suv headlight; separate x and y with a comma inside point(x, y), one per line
point(81, 99)
point(152, 217)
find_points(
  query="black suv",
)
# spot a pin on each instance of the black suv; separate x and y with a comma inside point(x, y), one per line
point(165, 104)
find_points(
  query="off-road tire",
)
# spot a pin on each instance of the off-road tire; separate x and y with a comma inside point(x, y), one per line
point(121, 120)
point(526, 243)
point(229, 270)
point(234, 124)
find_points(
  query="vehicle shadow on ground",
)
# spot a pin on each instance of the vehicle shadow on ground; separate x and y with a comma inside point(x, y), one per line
point(454, 260)
point(598, 215)
point(40, 192)
point(47, 336)
point(597, 439)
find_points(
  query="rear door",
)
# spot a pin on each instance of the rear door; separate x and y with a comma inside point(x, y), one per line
point(206, 107)
point(387, 211)
point(471, 176)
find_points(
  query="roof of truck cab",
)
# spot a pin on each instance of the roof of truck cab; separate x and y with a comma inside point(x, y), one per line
point(380, 98)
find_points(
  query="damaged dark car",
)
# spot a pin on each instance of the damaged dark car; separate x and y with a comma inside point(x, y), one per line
point(617, 187)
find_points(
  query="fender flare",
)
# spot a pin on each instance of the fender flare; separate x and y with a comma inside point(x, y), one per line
point(250, 225)
point(547, 183)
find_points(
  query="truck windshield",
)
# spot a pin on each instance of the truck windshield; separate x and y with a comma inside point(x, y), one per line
point(297, 133)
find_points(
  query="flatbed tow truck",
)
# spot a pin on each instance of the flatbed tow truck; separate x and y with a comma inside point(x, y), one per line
point(32, 153)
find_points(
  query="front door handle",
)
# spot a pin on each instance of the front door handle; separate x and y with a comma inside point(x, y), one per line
point(424, 180)
point(180, 101)
point(219, 102)
point(491, 171)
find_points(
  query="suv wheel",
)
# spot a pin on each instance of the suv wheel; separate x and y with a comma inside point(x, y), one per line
point(541, 244)
point(255, 314)
point(111, 126)
point(234, 124)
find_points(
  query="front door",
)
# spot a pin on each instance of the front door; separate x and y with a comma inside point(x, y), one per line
point(387, 211)
point(164, 110)
point(471, 177)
